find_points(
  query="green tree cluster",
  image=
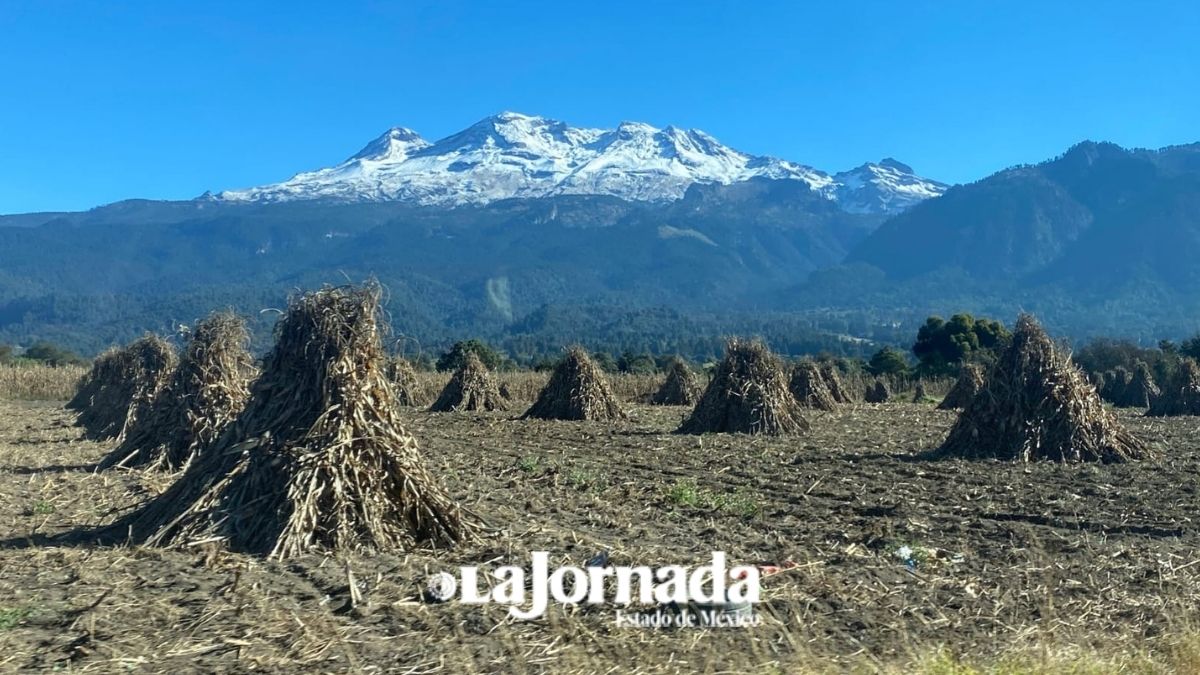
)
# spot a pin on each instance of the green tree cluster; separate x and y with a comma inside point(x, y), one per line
point(639, 364)
point(888, 361)
point(457, 355)
point(51, 354)
point(942, 346)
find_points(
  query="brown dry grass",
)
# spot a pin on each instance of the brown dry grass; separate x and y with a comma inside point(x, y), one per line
point(36, 382)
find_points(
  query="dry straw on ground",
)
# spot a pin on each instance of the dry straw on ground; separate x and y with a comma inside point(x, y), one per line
point(207, 391)
point(318, 460)
point(680, 388)
point(877, 392)
point(748, 394)
point(1181, 395)
point(404, 381)
point(809, 387)
point(471, 388)
point(969, 382)
point(577, 390)
point(122, 387)
point(1036, 404)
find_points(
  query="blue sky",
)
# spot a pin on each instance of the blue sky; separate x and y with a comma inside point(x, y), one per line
point(109, 100)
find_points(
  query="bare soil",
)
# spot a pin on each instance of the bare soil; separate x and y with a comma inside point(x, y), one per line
point(1002, 555)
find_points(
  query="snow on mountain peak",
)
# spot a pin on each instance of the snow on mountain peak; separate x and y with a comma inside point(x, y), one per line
point(512, 155)
point(887, 187)
point(395, 144)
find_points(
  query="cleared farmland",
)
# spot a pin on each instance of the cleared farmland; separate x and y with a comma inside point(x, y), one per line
point(1040, 565)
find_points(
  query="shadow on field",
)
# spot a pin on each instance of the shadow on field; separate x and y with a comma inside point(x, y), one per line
point(51, 468)
point(106, 536)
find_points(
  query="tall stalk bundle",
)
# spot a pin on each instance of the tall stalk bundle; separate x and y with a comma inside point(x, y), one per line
point(1036, 404)
point(471, 388)
point(128, 388)
point(810, 389)
point(577, 390)
point(748, 394)
point(680, 388)
point(877, 392)
point(207, 391)
point(1116, 384)
point(1141, 390)
point(105, 370)
point(969, 382)
point(1181, 395)
point(403, 377)
point(833, 382)
point(919, 394)
point(318, 460)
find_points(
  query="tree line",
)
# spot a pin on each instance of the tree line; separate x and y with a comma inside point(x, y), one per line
point(940, 349)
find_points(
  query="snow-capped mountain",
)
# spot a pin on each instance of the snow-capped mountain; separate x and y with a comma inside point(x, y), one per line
point(886, 187)
point(511, 155)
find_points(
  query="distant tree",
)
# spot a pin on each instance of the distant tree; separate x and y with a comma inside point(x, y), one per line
point(1104, 354)
point(423, 362)
point(1191, 347)
point(606, 362)
point(454, 359)
point(888, 361)
point(51, 354)
point(662, 362)
point(642, 364)
point(942, 346)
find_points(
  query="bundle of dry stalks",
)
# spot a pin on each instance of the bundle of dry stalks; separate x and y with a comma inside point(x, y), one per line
point(919, 395)
point(1141, 390)
point(1181, 395)
point(105, 370)
point(969, 382)
point(404, 381)
point(125, 389)
point(318, 460)
point(680, 388)
point(1035, 404)
point(471, 388)
point(877, 392)
point(577, 390)
point(1116, 383)
point(207, 391)
point(748, 394)
point(809, 387)
point(833, 382)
